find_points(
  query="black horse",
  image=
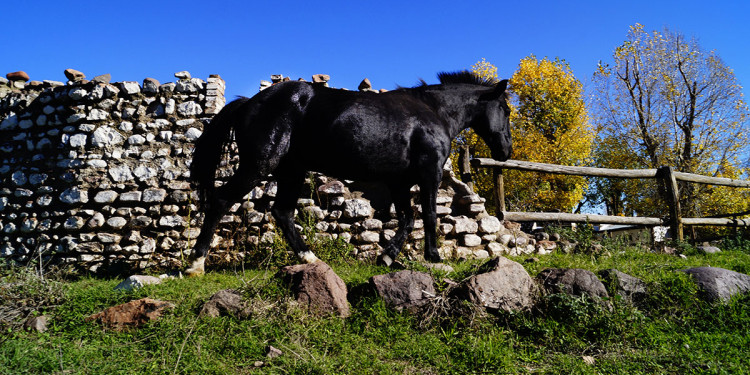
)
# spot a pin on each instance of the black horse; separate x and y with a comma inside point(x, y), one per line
point(400, 138)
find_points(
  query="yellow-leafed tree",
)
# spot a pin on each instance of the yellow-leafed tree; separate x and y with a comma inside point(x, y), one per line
point(549, 125)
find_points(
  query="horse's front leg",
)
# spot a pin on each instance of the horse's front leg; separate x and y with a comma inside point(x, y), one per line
point(289, 187)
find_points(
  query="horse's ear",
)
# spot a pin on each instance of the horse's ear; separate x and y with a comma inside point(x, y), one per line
point(497, 92)
point(501, 87)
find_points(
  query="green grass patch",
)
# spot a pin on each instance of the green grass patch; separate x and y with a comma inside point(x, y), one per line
point(671, 331)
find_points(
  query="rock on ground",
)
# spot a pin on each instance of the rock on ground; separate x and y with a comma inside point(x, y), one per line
point(572, 281)
point(318, 287)
point(226, 302)
point(719, 283)
point(131, 314)
point(501, 284)
point(630, 288)
point(137, 282)
point(404, 290)
point(36, 323)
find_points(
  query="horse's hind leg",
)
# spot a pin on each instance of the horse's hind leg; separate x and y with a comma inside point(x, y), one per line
point(402, 201)
point(237, 187)
point(290, 185)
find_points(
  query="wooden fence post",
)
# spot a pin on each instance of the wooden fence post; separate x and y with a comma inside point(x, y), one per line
point(672, 197)
point(499, 192)
point(464, 166)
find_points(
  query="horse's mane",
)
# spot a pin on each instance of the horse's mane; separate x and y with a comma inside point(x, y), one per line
point(463, 76)
point(466, 76)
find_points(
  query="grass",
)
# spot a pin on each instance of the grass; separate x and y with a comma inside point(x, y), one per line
point(671, 332)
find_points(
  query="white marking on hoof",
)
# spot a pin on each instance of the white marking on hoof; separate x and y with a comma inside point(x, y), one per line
point(197, 268)
point(387, 261)
point(308, 257)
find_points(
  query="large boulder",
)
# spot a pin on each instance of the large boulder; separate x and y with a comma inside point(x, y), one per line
point(572, 281)
point(318, 287)
point(718, 283)
point(630, 288)
point(500, 284)
point(404, 290)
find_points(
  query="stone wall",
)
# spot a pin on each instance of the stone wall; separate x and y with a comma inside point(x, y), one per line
point(94, 174)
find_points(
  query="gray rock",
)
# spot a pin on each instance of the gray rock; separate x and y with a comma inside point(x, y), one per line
point(631, 289)
point(136, 139)
point(36, 323)
point(154, 195)
point(96, 114)
point(189, 109)
point(130, 88)
point(357, 209)
point(572, 281)
point(183, 75)
point(131, 196)
point(137, 282)
point(78, 93)
point(372, 224)
point(150, 86)
point(334, 187)
point(105, 196)
point(368, 237)
point(19, 178)
point(106, 136)
point(317, 287)
point(404, 290)
point(9, 123)
point(171, 221)
point(74, 195)
point(465, 225)
point(103, 78)
point(707, 249)
point(719, 284)
point(74, 75)
point(96, 221)
point(489, 224)
point(500, 284)
point(77, 140)
point(121, 173)
point(192, 134)
point(73, 223)
point(471, 240)
point(227, 302)
point(117, 222)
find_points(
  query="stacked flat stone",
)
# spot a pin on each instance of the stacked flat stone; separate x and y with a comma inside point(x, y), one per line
point(95, 173)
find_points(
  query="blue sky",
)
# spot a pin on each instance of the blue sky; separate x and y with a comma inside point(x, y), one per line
point(390, 42)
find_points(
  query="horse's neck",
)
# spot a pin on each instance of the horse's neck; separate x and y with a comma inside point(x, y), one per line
point(452, 106)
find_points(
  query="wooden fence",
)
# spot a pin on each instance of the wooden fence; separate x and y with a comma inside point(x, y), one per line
point(667, 175)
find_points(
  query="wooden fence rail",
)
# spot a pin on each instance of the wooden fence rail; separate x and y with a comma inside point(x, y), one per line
point(667, 175)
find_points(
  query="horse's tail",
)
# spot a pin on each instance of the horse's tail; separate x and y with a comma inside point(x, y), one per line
point(210, 146)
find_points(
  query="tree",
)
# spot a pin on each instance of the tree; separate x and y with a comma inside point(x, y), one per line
point(666, 101)
point(550, 125)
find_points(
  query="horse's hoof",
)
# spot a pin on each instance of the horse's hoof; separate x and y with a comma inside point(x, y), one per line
point(433, 258)
point(197, 268)
point(384, 260)
point(308, 257)
point(194, 272)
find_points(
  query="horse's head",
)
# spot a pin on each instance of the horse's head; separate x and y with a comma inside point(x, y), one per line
point(491, 121)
